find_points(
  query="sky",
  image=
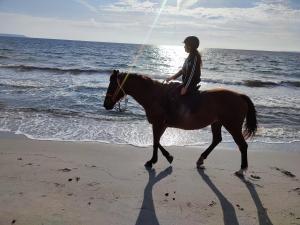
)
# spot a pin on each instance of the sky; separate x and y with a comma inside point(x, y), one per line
point(235, 24)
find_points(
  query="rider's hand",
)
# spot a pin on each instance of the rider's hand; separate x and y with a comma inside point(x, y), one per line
point(183, 91)
point(169, 79)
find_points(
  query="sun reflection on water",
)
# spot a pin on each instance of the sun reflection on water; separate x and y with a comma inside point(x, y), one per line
point(165, 59)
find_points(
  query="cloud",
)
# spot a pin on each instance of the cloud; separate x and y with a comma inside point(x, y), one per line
point(181, 4)
point(87, 5)
point(132, 6)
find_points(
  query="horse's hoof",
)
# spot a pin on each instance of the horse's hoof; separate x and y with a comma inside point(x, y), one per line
point(148, 165)
point(240, 173)
point(201, 167)
point(170, 159)
point(200, 163)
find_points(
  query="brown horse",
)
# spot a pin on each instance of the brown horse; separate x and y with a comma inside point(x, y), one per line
point(164, 108)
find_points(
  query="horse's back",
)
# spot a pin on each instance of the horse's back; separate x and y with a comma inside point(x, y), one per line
point(225, 104)
point(222, 96)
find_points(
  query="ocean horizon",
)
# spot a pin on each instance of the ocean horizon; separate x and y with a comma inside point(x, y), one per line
point(144, 44)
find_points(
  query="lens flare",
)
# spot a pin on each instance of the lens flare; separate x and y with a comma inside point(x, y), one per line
point(153, 25)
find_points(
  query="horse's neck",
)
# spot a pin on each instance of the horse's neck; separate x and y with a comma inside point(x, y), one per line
point(141, 90)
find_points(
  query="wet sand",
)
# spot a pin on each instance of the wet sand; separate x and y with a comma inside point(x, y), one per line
point(49, 182)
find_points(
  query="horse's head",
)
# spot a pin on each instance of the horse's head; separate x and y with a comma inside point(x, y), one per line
point(115, 90)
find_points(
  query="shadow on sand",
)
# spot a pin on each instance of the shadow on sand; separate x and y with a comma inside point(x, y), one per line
point(229, 215)
point(147, 215)
point(262, 214)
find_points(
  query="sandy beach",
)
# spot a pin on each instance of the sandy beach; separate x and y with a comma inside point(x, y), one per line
point(49, 182)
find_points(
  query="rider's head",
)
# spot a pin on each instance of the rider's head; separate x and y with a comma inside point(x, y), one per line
point(191, 43)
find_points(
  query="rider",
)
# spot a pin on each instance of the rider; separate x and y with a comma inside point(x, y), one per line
point(191, 69)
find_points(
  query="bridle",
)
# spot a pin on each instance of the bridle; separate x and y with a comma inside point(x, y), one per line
point(116, 92)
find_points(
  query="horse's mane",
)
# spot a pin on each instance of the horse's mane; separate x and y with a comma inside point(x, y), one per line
point(151, 81)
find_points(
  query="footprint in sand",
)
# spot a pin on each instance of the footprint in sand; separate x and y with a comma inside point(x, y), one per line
point(59, 185)
point(90, 166)
point(65, 170)
point(285, 172)
point(239, 207)
point(297, 190)
point(255, 177)
point(167, 195)
point(93, 184)
point(31, 164)
point(212, 204)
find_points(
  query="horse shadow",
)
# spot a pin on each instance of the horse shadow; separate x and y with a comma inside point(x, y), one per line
point(147, 215)
point(262, 214)
point(229, 215)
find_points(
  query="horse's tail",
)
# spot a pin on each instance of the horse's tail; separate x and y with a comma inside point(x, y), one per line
point(250, 126)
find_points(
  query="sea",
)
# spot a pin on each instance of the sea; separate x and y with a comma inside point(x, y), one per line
point(55, 89)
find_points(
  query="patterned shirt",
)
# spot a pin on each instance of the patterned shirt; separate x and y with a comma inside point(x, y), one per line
point(191, 70)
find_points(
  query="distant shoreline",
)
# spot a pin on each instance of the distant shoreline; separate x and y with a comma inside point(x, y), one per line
point(13, 35)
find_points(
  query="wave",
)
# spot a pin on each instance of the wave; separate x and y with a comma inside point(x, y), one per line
point(266, 137)
point(291, 83)
point(21, 86)
point(77, 88)
point(2, 105)
point(6, 49)
point(98, 115)
point(259, 83)
point(255, 83)
point(59, 112)
point(84, 88)
point(73, 71)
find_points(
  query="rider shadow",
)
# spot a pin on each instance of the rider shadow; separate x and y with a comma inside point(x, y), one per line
point(229, 215)
point(262, 214)
point(147, 215)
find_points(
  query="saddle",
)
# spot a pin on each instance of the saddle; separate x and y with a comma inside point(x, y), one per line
point(174, 100)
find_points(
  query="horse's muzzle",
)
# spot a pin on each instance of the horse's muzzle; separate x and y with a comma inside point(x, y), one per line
point(108, 104)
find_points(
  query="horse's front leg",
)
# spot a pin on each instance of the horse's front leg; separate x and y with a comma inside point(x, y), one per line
point(153, 160)
point(166, 153)
point(158, 130)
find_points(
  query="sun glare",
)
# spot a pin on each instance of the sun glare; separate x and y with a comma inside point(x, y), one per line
point(173, 56)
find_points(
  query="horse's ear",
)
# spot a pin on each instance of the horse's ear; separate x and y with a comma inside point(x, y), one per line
point(115, 71)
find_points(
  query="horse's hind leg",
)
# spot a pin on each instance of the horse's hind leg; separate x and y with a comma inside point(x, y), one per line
point(217, 138)
point(243, 146)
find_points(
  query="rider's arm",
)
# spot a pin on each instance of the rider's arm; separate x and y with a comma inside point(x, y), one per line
point(178, 74)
